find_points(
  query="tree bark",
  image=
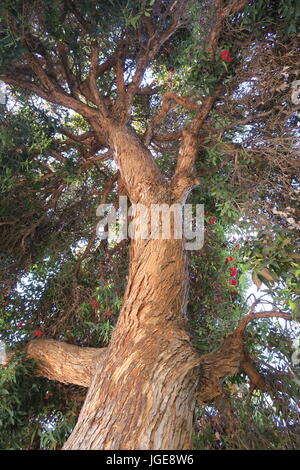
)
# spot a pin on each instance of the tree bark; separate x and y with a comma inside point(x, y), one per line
point(144, 396)
point(143, 387)
point(64, 362)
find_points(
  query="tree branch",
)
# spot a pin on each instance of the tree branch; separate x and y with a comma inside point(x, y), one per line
point(56, 97)
point(255, 316)
point(229, 358)
point(65, 362)
point(221, 14)
point(183, 177)
point(93, 81)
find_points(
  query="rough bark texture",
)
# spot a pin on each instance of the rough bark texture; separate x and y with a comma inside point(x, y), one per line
point(143, 386)
point(65, 362)
point(144, 396)
point(223, 362)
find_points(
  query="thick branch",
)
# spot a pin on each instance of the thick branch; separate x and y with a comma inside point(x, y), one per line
point(183, 179)
point(230, 358)
point(141, 176)
point(56, 97)
point(65, 362)
point(167, 105)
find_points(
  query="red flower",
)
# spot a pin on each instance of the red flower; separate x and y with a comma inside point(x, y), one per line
point(19, 325)
point(225, 55)
point(237, 247)
point(233, 272)
point(212, 221)
point(107, 314)
point(231, 259)
point(5, 304)
point(38, 333)
point(171, 72)
point(226, 260)
point(234, 292)
point(94, 304)
point(233, 282)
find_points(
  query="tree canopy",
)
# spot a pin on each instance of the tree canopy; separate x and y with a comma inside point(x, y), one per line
point(217, 80)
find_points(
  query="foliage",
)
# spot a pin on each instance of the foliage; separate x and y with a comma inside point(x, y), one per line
point(60, 279)
point(28, 409)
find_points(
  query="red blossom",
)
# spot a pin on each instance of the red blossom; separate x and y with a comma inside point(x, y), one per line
point(107, 313)
point(38, 333)
point(233, 272)
point(225, 55)
point(19, 325)
point(5, 304)
point(234, 292)
point(212, 221)
point(233, 282)
point(94, 304)
point(171, 72)
point(226, 260)
point(231, 259)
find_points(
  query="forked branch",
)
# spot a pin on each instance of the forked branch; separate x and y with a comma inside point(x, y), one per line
point(230, 358)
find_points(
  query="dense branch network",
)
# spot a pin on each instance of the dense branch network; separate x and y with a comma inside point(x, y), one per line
point(50, 75)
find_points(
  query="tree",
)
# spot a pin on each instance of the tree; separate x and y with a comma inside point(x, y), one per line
point(178, 94)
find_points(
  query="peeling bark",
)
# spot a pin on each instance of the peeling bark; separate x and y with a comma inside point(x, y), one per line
point(230, 358)
point(223, 362)
point(65, 362)
point(144, 396)
point(142, 387)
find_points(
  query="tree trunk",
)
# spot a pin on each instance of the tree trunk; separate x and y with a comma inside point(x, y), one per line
point(144, 395)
